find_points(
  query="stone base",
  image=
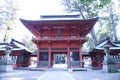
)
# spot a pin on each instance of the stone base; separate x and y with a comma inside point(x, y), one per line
point(6, 68)
point(6, 64)
point(70, 70)
point(109, 68)
point(112, 68)
point(105, 68)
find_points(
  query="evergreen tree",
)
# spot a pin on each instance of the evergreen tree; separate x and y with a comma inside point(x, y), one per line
point(95, 8)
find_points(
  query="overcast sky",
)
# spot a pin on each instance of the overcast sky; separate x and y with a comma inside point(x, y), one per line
point(31, 10)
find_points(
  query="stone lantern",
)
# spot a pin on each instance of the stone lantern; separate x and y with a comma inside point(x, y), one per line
point(6, 62)
point(108, 63)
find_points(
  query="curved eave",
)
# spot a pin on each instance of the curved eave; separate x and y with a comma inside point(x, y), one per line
point(75, 22)
point(101, 50)
point(85, 25)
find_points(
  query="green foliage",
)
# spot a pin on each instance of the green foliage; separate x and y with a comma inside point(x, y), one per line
point(108, 24)
point(104, 9)
point(90, 8)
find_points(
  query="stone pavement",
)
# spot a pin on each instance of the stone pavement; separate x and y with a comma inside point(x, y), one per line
point(95, 75)
point(58, 75)
point(20, 75)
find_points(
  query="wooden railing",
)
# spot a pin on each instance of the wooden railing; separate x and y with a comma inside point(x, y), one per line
point(74, 63)
point(59, 38)
point(43, 63)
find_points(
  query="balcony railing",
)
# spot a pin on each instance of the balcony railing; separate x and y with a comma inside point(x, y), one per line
point(59, 38)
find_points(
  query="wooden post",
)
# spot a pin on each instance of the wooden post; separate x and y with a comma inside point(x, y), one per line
point(68, 56)
point(80, 56)
point(19, 61)
point(49, 56)
point(38, 54)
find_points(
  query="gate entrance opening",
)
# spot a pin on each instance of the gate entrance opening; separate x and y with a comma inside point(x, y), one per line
point(59, 60)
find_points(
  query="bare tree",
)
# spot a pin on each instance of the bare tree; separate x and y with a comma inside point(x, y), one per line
point(7, 17)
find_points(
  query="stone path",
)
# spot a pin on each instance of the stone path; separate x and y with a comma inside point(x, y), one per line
point(56, 75)
point(59, 75)
point(21, 75)
point(95, 75)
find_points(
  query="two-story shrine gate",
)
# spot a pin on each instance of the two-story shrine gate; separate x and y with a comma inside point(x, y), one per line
point(59, 36)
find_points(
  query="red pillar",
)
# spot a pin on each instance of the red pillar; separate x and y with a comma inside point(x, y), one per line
point(68, 56)
point(38, 55)
point(29, 59)
point(19, 61)
point(49, 56)
point(80, 56)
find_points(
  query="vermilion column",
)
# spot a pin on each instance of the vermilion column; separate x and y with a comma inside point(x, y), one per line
point(19, 61)
point(80, 56)
point(38, 54)
point(68, 56)
point(28, 60)
point(49, 56)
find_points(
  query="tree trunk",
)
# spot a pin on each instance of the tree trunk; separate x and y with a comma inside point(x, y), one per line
point(115, 34)
point(113, 25)
point(92, 31)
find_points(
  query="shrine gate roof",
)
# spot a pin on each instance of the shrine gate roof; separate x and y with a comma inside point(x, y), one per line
point(114, 46)
point(16, 46)
point(36, 25)
point(107, 41)
point(60, 22)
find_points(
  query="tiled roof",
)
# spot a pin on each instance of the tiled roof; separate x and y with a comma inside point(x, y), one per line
point(20, 46)
point(106, 42)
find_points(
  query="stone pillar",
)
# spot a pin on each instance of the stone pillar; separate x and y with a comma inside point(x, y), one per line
point(108, 63)
point(6, 62)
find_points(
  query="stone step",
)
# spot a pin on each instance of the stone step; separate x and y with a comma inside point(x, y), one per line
point(53, 69)
point(59, 69)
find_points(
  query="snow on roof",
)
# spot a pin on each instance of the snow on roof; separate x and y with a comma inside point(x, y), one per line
point(117, 43)
point(21, 46)
point(111, 48)
point(3, 45)
point(60, 17)
point(101, 44)
point(105, 42)
point(13, 40)
point(114, 45)
point(13, 49)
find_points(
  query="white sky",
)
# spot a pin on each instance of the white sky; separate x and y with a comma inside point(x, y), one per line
point(32, 9)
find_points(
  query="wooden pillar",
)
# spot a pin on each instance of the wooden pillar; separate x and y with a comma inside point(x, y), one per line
point(38, 54)
point(49, 52)
point(68, 55)
point(29, 59)
point(19, 61)
point(49, 56)
point(80, 56)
